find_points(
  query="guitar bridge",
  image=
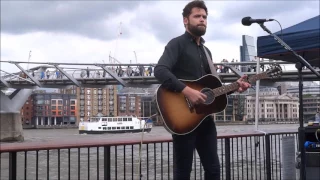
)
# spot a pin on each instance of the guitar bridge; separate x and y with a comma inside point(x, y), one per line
point(189, 105)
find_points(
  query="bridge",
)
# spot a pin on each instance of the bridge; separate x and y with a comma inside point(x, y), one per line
point(102, 75)
point(63, 75)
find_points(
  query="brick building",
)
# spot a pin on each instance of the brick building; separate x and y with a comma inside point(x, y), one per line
point(54, 109)
point(129, 104)
point(136, 101)
point(94, 101)
point(27, 111)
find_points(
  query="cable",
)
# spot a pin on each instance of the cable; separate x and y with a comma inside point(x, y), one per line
point(139, 173)
point(280, 28)
point(316, 133)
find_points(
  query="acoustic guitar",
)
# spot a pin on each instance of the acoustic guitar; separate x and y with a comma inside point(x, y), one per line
point(181, 117)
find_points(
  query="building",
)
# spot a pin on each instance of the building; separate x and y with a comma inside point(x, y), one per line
point(272, 106)
point(247, 51)
point(227, 113)
point(129, 104)
point(54, 109)
point(311, 104)
point(137, 101)
point(27, 111)
point(310, 88)
point(148, 106)
point(311, 97)
point(71, 90)
point(239, 107)
point(234, 111)
point(97, 101)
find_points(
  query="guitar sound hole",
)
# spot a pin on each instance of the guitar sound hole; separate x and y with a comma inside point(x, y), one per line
point(210, 95)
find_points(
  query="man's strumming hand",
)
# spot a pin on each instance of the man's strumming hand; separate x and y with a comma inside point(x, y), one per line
point(195, 96)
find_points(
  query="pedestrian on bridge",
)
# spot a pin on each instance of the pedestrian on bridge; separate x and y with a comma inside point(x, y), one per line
point(129, 71)
point(48, 74)
point(185, 57)
point(88, 72)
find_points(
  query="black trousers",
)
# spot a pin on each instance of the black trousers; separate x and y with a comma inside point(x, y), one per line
point(204, 140)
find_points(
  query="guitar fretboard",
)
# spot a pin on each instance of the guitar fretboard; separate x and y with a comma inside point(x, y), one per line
point(235, 86)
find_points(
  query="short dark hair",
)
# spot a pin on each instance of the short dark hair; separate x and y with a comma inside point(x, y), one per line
point(194, 4)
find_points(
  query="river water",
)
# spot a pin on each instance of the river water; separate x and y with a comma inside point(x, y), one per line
point(247, 159)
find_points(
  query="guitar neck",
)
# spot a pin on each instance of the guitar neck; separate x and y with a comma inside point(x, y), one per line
point(235, 86)
point(225, 89)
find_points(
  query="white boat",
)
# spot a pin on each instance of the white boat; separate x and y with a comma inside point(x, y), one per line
point(121, 124)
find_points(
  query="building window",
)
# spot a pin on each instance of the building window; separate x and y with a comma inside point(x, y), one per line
point(59, 101)
point(72, 107)
point(88, 91)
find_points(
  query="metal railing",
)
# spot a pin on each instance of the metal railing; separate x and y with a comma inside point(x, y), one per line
point(244, 156)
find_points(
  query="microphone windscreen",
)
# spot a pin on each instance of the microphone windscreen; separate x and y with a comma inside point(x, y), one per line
point(246, 21)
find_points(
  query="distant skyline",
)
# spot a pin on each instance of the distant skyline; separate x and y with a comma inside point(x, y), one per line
point(88, 31)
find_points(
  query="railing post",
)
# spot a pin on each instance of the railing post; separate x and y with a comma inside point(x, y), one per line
point(268, 157)
point(107, 166)
point(12, 165)
point(227, 157)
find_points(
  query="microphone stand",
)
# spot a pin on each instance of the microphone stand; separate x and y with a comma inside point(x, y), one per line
point(299, 66)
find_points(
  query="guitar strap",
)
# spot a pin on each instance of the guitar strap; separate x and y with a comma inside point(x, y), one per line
point(210, 62)
point(212, 68)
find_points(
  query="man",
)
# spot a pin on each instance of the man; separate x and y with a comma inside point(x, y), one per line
point(184, 58)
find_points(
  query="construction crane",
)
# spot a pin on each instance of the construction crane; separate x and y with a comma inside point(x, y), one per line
point(113, 60)
point(28, 60)
point(135, 55)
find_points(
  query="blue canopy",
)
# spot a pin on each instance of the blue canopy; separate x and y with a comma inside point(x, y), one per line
point(303, 38)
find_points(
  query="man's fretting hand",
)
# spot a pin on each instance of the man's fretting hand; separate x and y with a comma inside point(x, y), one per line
point(243, 85)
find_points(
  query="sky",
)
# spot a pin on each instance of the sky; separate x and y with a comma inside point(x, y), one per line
point(136, 31)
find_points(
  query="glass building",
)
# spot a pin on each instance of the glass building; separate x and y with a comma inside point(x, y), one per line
point(247, 50)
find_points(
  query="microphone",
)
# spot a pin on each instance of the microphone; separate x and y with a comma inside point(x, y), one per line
point(247, 21)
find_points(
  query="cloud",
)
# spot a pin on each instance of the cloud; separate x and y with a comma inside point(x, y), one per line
point(162, 19)
point(93, 19)
point(87, 31)
point(263, 9)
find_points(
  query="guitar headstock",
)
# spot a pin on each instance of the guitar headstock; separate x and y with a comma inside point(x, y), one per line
point(274, 71)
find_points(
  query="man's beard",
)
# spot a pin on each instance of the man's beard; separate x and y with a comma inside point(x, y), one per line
point(196, 30)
